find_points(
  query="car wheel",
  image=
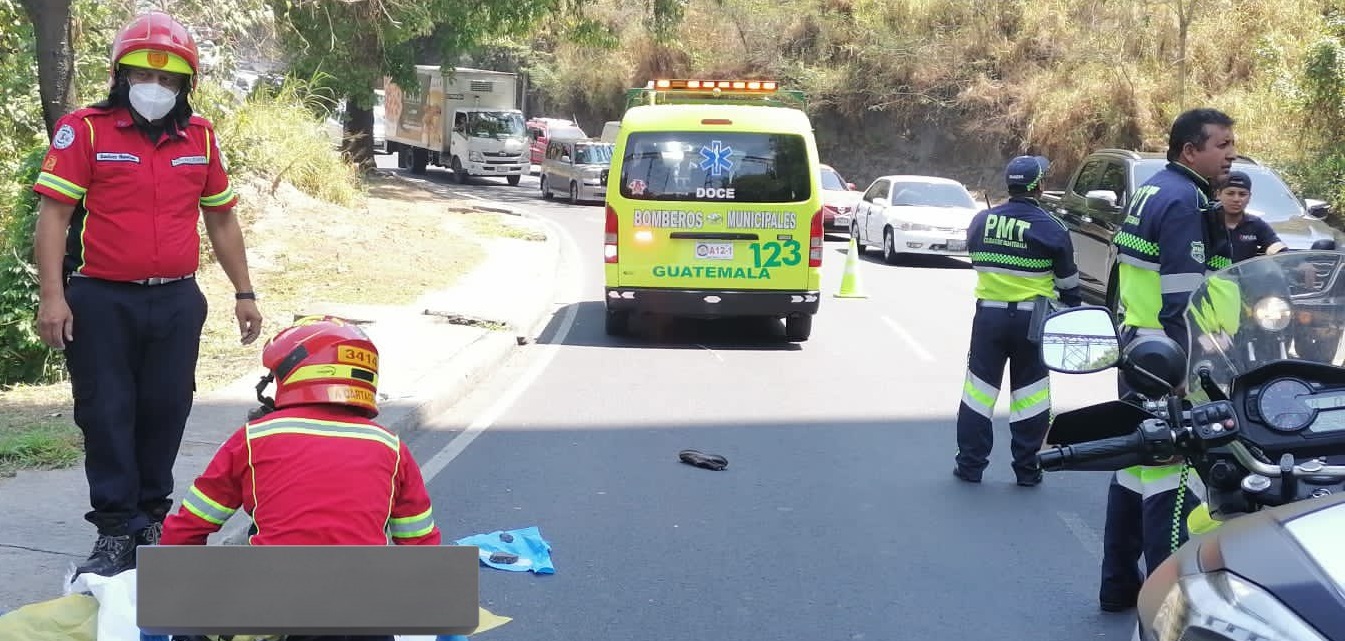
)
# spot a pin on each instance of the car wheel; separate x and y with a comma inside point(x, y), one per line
point(854, 233)
point(798, 328)
point(890, 254)
point(514, 179)
point(545, 194)
point(574, 193)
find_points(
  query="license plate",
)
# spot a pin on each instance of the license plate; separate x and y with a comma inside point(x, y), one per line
point(714, 251)
point(957, 244)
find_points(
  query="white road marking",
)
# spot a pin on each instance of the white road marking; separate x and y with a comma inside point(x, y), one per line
point(1087, 536)
point(910, 340)
point(486, 419)
point(467, 195)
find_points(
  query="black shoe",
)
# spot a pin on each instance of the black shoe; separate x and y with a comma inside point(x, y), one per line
point(1029, 479)
point(966, 476)
point(150, 535)
point(111, 556)
point(1115, 606)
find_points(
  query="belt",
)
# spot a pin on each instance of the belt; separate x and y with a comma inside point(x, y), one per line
point(148, 282)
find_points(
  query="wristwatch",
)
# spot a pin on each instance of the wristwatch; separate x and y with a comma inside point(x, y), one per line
point(245, 296)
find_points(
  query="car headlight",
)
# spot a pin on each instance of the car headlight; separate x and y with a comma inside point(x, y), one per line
point(1224, 606)
point(915, 227)
point(475, 156)
point(1272, 313)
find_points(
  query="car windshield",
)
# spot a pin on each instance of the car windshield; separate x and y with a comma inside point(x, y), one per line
point(922, 194)
point(1271, 198)
point(698, 165)
point(832, 180)
point(593, 154)
point(495, 124)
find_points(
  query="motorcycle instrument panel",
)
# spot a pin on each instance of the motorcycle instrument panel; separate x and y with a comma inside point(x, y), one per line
point(1295, 410)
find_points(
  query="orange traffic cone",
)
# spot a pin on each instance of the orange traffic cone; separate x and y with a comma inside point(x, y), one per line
point(850, 286)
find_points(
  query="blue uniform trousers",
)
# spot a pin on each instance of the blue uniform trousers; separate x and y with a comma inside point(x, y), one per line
point(999, 334)
point(132, 368)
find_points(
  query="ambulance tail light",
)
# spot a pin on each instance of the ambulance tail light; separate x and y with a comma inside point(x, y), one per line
point(815, 241)
point(610, 236)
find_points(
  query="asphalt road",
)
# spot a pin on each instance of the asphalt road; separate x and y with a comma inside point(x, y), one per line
point(837, 518)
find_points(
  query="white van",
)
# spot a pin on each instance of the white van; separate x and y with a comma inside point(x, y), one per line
point(609, 131)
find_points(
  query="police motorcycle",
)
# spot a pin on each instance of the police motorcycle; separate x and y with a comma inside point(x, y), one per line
point(1265, 435)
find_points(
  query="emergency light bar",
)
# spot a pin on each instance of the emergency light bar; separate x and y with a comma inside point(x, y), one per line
point(714, 90)
point(733, 85)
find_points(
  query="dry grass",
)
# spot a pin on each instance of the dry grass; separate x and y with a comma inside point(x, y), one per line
point(399, 242)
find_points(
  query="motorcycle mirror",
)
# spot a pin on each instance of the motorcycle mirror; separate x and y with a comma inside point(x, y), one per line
point(1080, 340)
point(1328, 244)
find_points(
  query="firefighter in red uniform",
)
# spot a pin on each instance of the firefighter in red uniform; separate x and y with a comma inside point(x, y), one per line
point(122, 188)
point(314, 469)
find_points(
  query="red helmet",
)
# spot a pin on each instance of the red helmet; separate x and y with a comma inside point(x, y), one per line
point(323, 360)
point(155, 40)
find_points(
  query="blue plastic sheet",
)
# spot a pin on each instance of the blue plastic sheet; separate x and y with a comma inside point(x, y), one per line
point(534, 553)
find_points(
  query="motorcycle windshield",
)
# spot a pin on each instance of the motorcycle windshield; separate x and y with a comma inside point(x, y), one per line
point(1266, 309)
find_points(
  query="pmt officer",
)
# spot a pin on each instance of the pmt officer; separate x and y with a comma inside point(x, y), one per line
point(1024, 260)
point(117, 248)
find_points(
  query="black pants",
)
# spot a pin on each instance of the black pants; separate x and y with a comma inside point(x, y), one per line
point(132, 367)
point(998, 335)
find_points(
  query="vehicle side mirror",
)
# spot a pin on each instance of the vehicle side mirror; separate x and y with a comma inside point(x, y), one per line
point(565, 158)
point(1101, 199)
point(1080, 340)
point(850, 186)
point(1317, 209)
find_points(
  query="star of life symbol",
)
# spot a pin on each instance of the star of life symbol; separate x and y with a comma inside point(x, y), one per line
point(637, 187)
point(715, 158)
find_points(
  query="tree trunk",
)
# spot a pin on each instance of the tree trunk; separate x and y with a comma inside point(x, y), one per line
point(1184, 9)
point(55, 57)
point(359, 135)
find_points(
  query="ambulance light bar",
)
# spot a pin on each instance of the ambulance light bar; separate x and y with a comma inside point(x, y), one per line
point(765, 86)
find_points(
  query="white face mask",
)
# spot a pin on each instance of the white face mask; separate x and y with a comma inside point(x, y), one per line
point(152, 100)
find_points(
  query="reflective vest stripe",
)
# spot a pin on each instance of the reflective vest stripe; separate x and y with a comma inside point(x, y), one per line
point(409, 527)
point(313, 427)
point(205, 507)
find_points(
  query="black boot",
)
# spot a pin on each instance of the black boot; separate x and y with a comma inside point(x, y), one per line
point(112, 555)
point(150, 535)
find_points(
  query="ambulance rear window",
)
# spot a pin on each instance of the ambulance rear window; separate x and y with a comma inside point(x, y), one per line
point(714, 166)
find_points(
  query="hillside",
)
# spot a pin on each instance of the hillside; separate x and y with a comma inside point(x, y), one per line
point(957, 86)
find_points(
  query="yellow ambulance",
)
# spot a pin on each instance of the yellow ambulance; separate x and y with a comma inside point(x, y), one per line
point(717, 206)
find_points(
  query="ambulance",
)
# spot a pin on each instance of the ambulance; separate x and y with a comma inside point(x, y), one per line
point(717, 207)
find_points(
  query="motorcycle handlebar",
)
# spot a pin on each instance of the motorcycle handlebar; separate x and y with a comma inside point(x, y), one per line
point(1111, 453)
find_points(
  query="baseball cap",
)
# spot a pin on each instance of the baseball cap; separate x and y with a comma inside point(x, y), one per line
point(1238, 179)
point(1026, 171)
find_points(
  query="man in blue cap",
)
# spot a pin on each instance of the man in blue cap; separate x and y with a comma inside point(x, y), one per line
point(1250, 236)
point(1024, 262)
point(1172, 237)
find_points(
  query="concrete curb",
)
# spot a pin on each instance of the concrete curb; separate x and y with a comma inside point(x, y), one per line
point(473, 364)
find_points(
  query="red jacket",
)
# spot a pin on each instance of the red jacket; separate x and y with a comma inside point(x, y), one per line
point(310, 476)
point(141, 199)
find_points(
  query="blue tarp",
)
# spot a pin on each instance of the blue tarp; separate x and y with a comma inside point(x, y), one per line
point(534, 553)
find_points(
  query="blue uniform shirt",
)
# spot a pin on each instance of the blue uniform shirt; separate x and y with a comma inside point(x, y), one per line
point(1251, 237)
point(1169, 240)
point(1021, 252)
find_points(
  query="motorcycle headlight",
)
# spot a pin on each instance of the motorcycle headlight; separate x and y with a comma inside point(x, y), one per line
point(1223, 606)
point(1272, 313)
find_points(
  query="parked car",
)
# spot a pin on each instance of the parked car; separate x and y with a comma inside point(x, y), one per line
point(542, 130)
point(914, 215)
point(1093, 207)
point(839, 199)
point(577, 168)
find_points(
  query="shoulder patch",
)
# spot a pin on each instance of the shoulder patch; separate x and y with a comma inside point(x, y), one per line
point(65, 136)
point(1198, 251)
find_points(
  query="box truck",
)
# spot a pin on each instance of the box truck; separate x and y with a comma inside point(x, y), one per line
point(468, 120)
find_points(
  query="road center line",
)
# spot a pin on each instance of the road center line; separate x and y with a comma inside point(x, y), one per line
point(910, 340)
point(486, 419)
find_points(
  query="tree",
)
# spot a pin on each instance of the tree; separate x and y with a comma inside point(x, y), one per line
point(354, 44)
point(52, 27)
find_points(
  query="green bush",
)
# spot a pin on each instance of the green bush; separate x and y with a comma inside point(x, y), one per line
point(24, 358)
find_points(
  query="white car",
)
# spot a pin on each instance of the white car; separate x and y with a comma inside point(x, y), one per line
point(914, 215)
